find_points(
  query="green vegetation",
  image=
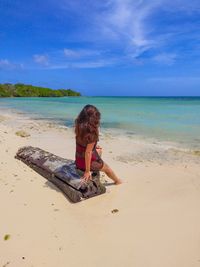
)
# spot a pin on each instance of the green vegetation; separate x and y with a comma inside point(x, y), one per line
point(25, 90)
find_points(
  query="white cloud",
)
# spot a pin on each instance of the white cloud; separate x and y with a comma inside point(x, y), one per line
point(127, 22)
point(165, 58)
point(80, 53)
point(130, 25)
point(41, 59)
point(126, 29)
point(71, 53)
point(114, 19)
point(83, 65)
point(5, 64)
point(175, 79)
point(91, 65)
point(73, 58)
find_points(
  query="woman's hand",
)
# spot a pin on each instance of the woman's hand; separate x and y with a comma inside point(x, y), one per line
point(86, 176)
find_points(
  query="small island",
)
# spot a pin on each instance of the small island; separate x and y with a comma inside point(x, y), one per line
point(26, 90)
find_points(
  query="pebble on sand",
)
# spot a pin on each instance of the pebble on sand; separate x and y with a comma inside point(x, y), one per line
point(6, 237)
point(22, 133)
point(196, 152)
point(115, 211)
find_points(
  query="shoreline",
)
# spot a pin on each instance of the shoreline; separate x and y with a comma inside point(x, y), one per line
point(152, 147)
point(180, 138)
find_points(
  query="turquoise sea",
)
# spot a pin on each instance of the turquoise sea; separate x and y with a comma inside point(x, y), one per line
point(175, 119)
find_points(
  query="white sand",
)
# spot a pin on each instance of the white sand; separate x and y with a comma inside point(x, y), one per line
point(159, 205)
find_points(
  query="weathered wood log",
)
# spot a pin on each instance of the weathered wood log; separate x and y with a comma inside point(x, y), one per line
point(62, 173)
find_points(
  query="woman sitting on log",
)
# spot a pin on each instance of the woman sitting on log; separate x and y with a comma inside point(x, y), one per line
point(88, 153)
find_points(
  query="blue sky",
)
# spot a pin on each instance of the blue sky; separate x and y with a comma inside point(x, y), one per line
point(107, 47)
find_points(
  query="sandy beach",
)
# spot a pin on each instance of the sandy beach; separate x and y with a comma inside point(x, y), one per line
point(158, 218)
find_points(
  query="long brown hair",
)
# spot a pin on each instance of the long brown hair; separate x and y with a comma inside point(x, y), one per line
point(87, 124)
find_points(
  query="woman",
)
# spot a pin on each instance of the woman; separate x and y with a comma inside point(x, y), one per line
point(88, 153)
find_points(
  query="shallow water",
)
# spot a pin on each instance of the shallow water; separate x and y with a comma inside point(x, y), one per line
point(174, 119)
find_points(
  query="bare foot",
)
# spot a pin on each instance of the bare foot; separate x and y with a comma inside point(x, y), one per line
point(118, 182)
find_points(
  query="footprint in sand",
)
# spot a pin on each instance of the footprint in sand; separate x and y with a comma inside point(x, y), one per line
point(6, 264)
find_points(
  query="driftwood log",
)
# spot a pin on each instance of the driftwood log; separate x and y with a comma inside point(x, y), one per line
point(62, 173)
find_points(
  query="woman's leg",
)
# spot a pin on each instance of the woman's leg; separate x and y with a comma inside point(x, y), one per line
point(110, 173)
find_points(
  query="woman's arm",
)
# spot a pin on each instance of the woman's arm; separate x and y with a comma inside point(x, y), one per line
point(88, 155)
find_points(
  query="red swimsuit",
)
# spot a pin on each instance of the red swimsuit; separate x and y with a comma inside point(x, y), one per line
point(96, 161)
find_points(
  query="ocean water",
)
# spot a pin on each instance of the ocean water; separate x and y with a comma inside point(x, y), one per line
point(171, 119)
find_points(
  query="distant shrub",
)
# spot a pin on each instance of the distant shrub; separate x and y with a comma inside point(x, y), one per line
point(26, 90)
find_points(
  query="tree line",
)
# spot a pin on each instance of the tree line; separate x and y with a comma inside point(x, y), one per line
point(26, 90)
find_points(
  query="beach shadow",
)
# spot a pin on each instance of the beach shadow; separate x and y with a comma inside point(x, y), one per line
point(52, 186)
point(55, 188)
